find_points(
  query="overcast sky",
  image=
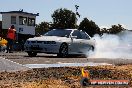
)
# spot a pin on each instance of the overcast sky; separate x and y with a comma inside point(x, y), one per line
point(102, 12)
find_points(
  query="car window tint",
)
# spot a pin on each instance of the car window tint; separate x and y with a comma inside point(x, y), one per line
point(58, 32)
point(77, 33)
point(84, 35)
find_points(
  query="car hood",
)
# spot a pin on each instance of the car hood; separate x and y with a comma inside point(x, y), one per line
point(47, 38)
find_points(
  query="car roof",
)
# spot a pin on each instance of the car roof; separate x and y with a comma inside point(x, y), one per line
point(65, 29)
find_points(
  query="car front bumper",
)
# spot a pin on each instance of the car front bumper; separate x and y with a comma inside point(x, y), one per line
point(47, 48)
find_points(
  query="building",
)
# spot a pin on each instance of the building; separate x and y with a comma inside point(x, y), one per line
point(24, 23)
point(0, 27)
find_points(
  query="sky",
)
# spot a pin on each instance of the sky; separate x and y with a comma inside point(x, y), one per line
point(103, 12)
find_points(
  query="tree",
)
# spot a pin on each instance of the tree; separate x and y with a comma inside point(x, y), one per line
point(104, 30)
point(116, 29)
point(64, 19)
point(42, 27)
point(89, 26)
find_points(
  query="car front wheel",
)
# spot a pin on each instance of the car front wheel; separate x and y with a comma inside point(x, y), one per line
point(63, 51)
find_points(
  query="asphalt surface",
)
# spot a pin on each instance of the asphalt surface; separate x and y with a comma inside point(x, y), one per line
point(41, 58)
point(19, 61)
point(10, 66)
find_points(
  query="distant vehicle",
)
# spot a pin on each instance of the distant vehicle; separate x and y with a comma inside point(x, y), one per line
point(62, 42)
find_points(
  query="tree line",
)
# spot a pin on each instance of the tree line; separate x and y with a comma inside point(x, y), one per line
point(67, 19)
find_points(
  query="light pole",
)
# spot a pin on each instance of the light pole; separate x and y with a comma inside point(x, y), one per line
point(76, 6)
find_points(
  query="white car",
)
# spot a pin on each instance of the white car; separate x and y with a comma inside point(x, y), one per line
point(62, 42)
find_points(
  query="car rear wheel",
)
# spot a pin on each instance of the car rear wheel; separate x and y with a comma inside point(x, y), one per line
point(92, 48)
point(32, 54)
point(63, 51)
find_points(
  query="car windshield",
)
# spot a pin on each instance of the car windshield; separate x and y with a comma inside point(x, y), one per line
point(58, 32)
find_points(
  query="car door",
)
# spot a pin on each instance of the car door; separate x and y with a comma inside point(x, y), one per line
point(86, 42)
point(76, 42)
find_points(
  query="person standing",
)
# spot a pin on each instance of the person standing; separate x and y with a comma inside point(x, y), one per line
point(11, 36)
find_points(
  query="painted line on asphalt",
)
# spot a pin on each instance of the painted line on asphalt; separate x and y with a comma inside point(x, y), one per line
point(64, 65)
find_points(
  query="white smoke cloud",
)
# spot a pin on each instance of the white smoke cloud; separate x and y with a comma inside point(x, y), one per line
point(113, 46)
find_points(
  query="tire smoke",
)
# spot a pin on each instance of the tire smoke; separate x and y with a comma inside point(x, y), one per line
point(113, 46)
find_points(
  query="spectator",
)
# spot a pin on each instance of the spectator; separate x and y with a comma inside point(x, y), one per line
point(11, 36)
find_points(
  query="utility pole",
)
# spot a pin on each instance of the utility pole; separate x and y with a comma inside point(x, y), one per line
point(76, 6)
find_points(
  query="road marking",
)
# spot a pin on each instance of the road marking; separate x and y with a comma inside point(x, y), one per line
point(59, 64)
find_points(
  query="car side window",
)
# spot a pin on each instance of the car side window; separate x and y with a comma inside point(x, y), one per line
point(77, 33)
point(84, 35)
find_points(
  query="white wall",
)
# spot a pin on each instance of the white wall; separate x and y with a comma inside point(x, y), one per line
point(6, 21)
point(0, 17)
point(26, 29)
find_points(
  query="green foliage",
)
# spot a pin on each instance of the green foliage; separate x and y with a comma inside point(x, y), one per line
point(104, 30)
point(116, 29)
point(64, 19)
point(89, 26)
point(42, 27)
point(113, 30)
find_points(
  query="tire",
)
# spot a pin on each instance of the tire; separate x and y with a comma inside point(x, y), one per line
point(92, 48)
point(90, 51)
point(85, 82)
point(32, 54)
point(63, 51)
